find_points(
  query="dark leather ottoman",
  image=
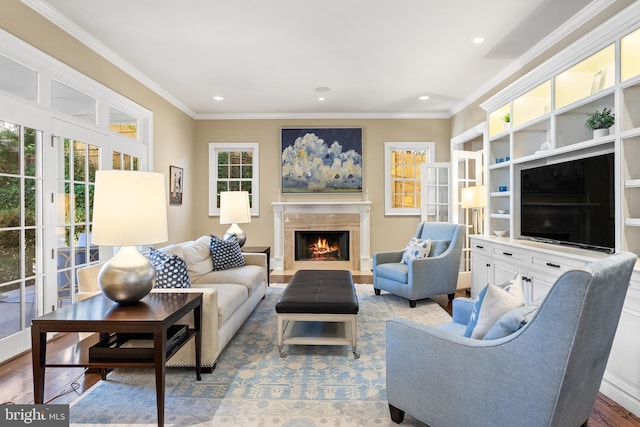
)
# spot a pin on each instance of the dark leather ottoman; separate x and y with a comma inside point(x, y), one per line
point(318, 307)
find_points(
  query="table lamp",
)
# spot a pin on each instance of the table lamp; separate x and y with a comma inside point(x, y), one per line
point(234, 210)
point(129, 209)
point(474, 198)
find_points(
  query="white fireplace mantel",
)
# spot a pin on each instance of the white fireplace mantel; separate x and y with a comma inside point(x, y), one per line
point(363, 208)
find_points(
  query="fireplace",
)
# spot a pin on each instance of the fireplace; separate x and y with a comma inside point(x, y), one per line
point(322, 245)
point(348, 217)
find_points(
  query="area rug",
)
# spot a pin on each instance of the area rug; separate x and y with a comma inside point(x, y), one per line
point(252, 385)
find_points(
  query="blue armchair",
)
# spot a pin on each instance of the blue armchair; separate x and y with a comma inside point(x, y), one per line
point(545, 374)
point(422, 278)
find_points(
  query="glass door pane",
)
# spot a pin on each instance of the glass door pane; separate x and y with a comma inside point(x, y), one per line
point(435, 190)
point(75, 188)
point(21, 264)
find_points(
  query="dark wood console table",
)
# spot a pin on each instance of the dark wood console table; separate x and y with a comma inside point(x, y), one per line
point(153, 315)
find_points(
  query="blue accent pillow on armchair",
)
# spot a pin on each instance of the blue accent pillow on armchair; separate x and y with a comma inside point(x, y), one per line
point(473, 320)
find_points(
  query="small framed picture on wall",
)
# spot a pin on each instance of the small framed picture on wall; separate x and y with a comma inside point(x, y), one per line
point(175, 185)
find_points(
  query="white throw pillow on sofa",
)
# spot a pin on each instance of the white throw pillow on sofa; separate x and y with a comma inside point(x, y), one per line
point(198, 257)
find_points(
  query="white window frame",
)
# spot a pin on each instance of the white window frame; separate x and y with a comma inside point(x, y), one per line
point(214, 148)
point(389, 147)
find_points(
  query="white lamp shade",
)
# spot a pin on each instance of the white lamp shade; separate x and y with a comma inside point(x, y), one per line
point(234, 207)
point(473, 197)
point(129, 208)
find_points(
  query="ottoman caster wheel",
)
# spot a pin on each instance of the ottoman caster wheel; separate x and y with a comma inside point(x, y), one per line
point(356, 355)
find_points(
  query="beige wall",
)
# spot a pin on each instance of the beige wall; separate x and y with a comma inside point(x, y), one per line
point(173, 130)
point(386, 232)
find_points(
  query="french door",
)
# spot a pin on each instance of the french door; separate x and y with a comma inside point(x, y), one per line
point(22, 229)
point(78, 155)
point(47, 180)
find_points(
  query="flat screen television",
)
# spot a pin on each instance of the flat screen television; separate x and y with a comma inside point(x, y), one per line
point(571, 203)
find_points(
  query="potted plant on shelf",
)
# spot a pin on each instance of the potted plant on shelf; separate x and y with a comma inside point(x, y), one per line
point(506, 119)
point(600, 122)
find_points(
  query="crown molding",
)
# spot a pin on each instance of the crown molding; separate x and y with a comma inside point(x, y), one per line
point(325, 116)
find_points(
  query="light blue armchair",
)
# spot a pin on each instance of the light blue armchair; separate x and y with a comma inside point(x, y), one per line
point(545, 374)
point(422, 278)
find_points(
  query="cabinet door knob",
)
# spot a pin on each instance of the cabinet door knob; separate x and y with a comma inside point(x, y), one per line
point(550, 264)
point(479, 247)
point(507, 253)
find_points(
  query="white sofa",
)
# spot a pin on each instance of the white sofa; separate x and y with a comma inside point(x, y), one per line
point(229, 296)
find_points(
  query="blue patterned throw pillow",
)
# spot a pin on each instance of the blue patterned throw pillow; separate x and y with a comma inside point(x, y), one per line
point(416, 249)
point(171, 270)
point(225, 253)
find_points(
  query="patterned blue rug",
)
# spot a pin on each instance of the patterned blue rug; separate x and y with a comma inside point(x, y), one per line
point(314, 386)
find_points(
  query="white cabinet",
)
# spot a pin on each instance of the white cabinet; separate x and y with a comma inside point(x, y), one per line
point(481, 265)
point(495, 260)
point(622, 378)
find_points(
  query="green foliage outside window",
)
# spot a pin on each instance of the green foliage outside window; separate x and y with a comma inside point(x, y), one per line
point(235, 172)
point(11, 199)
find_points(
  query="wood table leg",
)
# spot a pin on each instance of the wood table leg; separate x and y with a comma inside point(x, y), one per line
point(38, 354)
point(159, 346)
point(197, 322)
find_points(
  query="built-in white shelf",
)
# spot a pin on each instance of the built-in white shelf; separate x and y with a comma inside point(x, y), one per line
point(501, 194)
point(632, 183)
point(632, 222)
point(500, 216)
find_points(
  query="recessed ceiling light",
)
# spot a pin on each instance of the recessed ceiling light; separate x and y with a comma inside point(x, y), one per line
point(423, 98)
point(322, 89)
point(321, 98)
point(218, 98)
point(478, 40)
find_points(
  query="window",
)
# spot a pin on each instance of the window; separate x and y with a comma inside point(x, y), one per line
point(123, 123)
point(18, 80)
point(234, 167)
point(72, 102)
point(402, 162)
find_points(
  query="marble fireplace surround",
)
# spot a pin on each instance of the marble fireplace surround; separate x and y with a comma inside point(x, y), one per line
point(352, 216)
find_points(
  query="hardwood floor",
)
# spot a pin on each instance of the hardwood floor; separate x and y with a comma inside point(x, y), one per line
point(62, 386)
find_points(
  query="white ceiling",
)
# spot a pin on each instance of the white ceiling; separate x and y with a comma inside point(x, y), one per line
point(267, 58)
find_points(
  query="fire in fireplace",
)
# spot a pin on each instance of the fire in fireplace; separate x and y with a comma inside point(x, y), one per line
point(322, 245)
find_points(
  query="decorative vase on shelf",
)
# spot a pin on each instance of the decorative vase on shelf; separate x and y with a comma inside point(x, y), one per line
point(599, 133)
